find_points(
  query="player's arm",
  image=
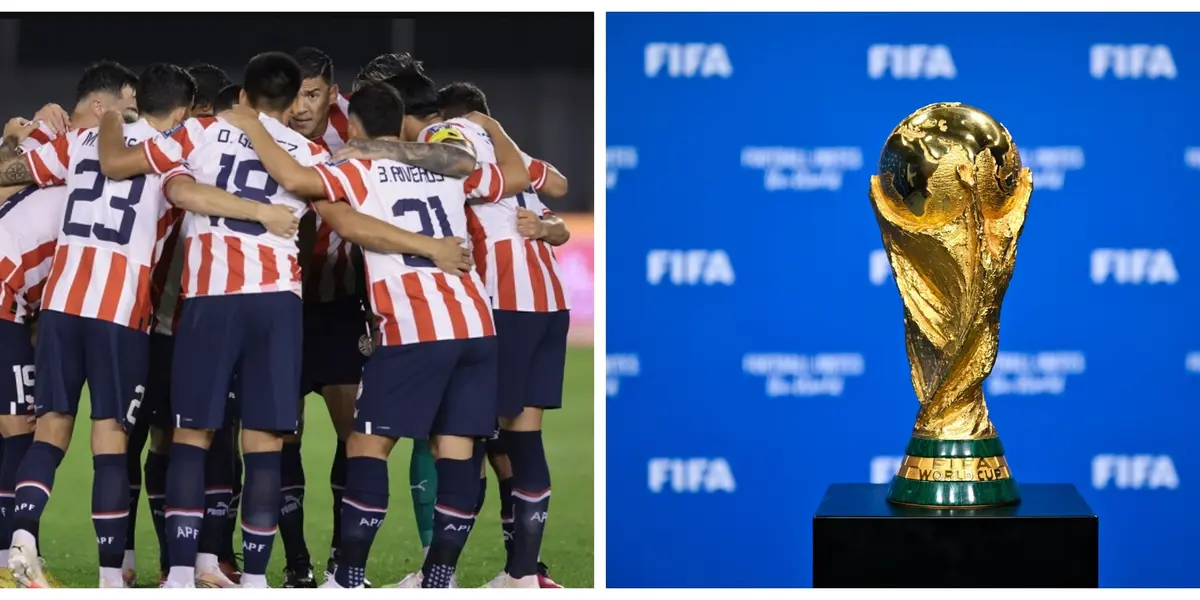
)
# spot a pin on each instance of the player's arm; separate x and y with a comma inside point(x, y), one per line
point(14, 167)
point(183, 191)
point(118, 161)
point(508, 157)
point(375, 235)
point(453, 158)
point(294, 177)
point(547, 180)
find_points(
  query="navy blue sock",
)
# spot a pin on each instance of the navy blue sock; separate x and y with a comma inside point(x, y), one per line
point(12, 450)
point(133, 470)
point(364, 506)
point(218, 492)
point(337, 484)
point(35, 479)
point(531, 499)
point(156, 496)
point(110, 507)
point(453, 517)
point(260, 510)
point(291, 508)
point(506, 519)
point(184, 508)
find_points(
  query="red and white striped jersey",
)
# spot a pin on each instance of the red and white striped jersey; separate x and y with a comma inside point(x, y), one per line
point(232, 256)
point(413, 299)
point(29, 224)
point(110, 233)
point(331, 272)
point(521, 274)
point(42, 135)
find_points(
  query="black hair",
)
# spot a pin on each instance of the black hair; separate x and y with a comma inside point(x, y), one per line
point(408, 76)
point(314, 63)
point(380, 109)
point(162, 88)
point(460, 98)
point(210, 80)
point(226, 98)
point(272, 80)
point(105, 76)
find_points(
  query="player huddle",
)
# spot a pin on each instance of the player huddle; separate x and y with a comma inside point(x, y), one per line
point(203, 255)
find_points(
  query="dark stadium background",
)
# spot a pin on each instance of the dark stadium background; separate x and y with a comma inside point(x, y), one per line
point(537, 71)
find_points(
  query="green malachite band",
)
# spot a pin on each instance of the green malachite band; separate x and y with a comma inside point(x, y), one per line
point(955, 448)
point(954, 494)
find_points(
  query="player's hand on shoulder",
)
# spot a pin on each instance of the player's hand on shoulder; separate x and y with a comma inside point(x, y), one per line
point(452, 256)
point(529, 225)
point(355, 148)
point(19, 128)
point(240, 116)
point(279, 219)
point(55, 117)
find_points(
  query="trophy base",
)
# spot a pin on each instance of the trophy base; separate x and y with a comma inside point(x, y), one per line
point(954, 474)
point(860, 540)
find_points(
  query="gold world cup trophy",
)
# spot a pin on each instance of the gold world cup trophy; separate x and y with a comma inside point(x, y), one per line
point(950, 199)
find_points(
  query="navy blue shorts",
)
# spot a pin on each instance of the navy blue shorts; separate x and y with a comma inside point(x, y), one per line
point(112, 358)
point(16, 357)
point(429, 388)
point(336, 343)
point(533, 354)
point(253, 338)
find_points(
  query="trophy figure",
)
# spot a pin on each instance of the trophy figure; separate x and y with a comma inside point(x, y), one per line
point(950, 199)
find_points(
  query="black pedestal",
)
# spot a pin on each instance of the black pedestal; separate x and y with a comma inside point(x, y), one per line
point(1050, 539)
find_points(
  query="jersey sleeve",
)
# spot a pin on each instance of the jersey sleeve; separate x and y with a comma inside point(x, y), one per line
point(175, 147)
point(177, 171)
point(315, 156)
point(48, 162)
point(344, 181)
point(485, 182)
point(441, 133)
point(38, 137)
point(537, 171)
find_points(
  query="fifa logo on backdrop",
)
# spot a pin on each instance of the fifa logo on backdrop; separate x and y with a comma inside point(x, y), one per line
point(689, 267)
point(1134, 472)
point(1050, 165)
point(1133, 266)
point(620, 365)
point(802, 375)
point(1134, 61)
point(883, 468)
point(1021, 374)
point(690, 475)
point(619, 158)
point(688, 60)
point(802, 169)
point(913, 61)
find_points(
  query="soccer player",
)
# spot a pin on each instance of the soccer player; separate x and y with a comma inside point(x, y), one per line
point(420, 98)
point(335, 323)
point(156, 406)
point(29, 224)
point(434, 375)
point(532, 318)
point(97, 308)
point(510, 233)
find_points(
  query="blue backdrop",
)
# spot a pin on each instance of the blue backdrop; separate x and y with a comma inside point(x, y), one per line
point(755, 336)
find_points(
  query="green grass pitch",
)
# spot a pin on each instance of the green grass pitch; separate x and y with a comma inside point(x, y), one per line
point(68, 540)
